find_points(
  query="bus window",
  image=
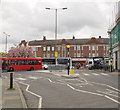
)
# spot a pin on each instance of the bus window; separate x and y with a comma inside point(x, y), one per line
point(11, 62)
point(19, 62)
point(16, 62)
point(24, 62)
point(39, 62)
point(36, 62)
point(31, 62)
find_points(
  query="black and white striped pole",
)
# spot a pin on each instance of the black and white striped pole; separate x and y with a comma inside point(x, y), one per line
point(68, 48)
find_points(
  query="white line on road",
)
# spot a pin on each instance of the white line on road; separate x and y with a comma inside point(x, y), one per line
point(40, 98)
point(86, 74)
point(103, 74)
point(31, 77)
point(21, 78)
point(112, 99)
point(95, 74)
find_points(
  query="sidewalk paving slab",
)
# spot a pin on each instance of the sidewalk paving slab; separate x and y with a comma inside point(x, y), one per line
point(12, 98)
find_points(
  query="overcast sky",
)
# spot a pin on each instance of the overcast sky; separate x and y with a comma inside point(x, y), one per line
point(29, 20)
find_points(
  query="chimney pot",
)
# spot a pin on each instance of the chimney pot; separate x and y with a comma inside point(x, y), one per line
point(99, 36)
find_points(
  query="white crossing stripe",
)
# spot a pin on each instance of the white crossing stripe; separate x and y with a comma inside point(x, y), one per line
point(103, 74)
point(21, 79)
point(86, 74)
point(31, 77)
point(95, 74)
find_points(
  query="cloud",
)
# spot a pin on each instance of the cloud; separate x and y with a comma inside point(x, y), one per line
point(30, 20)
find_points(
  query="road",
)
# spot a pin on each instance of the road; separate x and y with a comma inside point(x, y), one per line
point(92, 89)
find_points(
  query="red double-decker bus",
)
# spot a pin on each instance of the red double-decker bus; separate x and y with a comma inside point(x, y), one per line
point(12, 64)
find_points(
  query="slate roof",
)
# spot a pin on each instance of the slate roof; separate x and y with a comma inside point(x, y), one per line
point(69, 41)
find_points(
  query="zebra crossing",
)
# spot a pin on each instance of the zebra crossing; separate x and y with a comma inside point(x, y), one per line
point(95, 74)
point(85, 74)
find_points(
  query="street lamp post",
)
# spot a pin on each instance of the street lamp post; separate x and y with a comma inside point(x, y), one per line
point(68, 48)
point(56, 10)
point(7, 35)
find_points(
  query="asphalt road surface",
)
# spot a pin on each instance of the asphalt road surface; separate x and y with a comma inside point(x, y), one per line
point(92, 89)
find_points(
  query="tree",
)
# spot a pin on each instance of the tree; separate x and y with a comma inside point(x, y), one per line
point(23, 52)
point(2, 54)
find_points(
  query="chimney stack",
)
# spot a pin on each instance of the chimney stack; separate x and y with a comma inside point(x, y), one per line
point(44, 38)
point(99, 37)
point(73, 37)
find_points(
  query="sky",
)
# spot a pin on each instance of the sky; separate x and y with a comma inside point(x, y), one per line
point(29, 20)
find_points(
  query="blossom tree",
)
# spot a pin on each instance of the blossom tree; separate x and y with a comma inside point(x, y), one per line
point(23, 52)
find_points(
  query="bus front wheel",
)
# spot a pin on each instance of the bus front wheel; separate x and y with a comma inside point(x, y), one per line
point(11, 69)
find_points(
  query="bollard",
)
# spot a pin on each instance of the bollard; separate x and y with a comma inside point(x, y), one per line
point(11, 80)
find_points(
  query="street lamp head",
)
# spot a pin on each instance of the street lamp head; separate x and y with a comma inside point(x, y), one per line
point(68, 46)
point(47, 8)
point(64, 8)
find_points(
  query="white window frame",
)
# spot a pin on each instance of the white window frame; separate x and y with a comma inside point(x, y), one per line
point(44, 48)
point(104, 47)
point(78, 54)
point(58, 48)
point(53, 48)
point(75, 47)
point(48, 48)
point(48, 55)
point(78, 47)
point(89, 47)
point(93, 47)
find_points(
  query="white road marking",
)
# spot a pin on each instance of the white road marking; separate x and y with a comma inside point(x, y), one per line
point(40, 98)
point(86, 74)
point(103, 74)
point(21, 78)
point(31, 77)
point(95, 74)
point(112, 99)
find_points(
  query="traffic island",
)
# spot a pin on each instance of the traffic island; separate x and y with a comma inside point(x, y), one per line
point(71, 76)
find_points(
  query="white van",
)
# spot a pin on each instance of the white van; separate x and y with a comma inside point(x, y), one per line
point(89, 63)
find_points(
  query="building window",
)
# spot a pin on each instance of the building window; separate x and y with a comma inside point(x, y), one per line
point(97, 54)
point(64, 48)
point(104, 54)
point(104, 47)
point(93, 55)
point(107, 47)
point(82, 47)
point(93, 47)
point(78, 47)
point(44, 55)
point(58, 54)
point(58, 48)
point(48, 48)
point(74, 54)
point(82, 54)
point(48, 55)
point(37, 48)
point(63, 55)
point(74, 47)
point(97, 47)
point(78, 54)
point(89, 47)
point(53, 55)
point(89, 54)
point(53, 48)
point(44, 48)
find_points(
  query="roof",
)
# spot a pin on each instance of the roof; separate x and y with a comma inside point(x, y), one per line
point(69, 41)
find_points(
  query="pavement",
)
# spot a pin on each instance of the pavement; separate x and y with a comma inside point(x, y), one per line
point(12, 98)
point(15, 98)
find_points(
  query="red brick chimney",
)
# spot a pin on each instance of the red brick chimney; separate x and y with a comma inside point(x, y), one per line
point(73, 37)
point(44, 38)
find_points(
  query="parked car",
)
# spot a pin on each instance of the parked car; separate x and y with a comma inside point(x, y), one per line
point(45, 66)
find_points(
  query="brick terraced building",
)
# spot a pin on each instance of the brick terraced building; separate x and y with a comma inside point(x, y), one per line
point(79, 48)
